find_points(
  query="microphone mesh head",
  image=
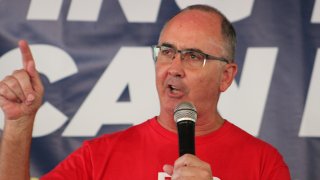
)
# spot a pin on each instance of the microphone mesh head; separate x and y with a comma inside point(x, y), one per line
point(185, 111)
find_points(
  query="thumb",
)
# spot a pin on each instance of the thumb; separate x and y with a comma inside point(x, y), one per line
point(168, 169)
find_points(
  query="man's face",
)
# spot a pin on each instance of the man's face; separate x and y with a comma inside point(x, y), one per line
point(191, 29)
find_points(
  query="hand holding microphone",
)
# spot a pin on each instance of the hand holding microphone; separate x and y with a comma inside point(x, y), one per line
point(187, 165)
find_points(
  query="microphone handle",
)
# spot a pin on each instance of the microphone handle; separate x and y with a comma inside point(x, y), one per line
point(186, 137)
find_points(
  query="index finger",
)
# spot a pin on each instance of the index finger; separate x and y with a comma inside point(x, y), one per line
point(26, 53)
point(29, 66)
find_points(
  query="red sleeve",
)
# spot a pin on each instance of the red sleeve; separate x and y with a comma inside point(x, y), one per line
point(281, 171)
point(77, 165)
point(277, 169)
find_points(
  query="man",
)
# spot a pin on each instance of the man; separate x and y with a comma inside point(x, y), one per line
point(194, 63)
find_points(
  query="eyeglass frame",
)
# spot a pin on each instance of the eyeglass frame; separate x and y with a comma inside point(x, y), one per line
point(206, 56)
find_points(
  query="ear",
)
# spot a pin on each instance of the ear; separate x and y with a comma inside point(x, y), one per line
point(228, 74)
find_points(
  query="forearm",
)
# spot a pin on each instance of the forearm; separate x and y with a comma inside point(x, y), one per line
point(15, 149)
point(21, 96)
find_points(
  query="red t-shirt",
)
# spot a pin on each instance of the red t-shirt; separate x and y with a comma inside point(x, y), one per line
point(141, 151)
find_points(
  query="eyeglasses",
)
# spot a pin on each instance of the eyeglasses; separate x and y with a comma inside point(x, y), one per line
point(190, 58)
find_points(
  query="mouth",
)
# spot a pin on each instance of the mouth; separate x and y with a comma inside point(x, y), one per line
point(175, 87)
point(172, 88)
point(175, 91)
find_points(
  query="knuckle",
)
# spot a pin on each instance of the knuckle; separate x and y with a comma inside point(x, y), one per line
point(7, 78)
point(3, 88)
point(18, 71)
point(13, 83)
point(10, 81)
point(185, 157)
point(21, 75)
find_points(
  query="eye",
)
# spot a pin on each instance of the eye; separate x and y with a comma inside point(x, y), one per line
point(166, 51)
point(194, 56)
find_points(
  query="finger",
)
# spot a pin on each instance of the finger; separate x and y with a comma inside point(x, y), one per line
point(183, 173)
point(26, 53)
point(24, 80)
point(187, 160)
point(2, 101)
point(190, 165)
point(29, 66)
point(7, 94)
point(189, 172)
point(191, 161)
point(168, 169)
point(13, 84)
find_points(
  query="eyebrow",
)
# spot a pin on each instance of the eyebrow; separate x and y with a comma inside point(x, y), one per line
point(188, 49)
point(168, 45)
point(194, 49)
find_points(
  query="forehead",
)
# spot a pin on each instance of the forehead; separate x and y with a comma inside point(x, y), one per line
point(193, 28)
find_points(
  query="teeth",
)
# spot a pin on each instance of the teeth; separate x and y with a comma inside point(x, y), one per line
point(172, 87)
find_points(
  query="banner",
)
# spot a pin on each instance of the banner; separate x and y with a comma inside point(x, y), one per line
point(95, 60)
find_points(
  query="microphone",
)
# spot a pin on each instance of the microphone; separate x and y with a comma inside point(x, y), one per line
point(185, 115)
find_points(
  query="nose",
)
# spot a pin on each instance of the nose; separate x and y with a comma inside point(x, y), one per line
point(176, 68)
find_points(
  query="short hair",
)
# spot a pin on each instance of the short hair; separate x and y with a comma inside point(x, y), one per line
point(227, 30)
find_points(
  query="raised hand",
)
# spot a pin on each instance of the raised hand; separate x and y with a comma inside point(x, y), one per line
point(20, 97)
point(21, 93)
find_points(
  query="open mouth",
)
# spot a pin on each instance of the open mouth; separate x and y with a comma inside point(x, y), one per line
point(172, 88)
point(175, 88)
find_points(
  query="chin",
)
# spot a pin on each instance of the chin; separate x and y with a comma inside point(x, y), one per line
point(169, 105)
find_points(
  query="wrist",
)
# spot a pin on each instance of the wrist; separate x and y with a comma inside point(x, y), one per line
point(18, 128)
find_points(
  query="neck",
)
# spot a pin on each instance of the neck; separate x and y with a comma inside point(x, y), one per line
point(204, 125)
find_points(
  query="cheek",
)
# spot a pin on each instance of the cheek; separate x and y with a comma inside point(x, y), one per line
point(207, 85)
point(160, 76)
